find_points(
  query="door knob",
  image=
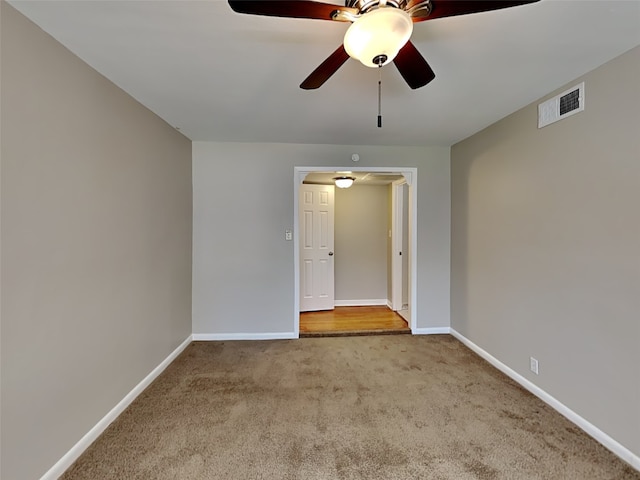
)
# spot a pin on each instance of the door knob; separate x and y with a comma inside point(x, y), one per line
point(331, 254)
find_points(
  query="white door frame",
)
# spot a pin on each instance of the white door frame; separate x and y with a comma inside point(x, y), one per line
point(410, 175)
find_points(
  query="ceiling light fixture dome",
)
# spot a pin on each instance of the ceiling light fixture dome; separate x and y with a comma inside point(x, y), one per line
point(376, 37)
point(343, 182)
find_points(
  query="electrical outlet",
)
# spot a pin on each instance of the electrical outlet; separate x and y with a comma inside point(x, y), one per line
point(533, 365)
point(288, 234)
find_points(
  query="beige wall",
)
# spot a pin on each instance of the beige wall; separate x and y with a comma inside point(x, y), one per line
point(96, 246)
point(545, 248)
point(243, 269)
point(361, 236)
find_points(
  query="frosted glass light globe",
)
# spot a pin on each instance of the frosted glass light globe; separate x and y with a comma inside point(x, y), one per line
point(380, 32)
point(344, 182)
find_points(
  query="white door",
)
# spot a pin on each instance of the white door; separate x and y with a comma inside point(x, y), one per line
point(400, 249)
point(397, 200)
point(316, 216)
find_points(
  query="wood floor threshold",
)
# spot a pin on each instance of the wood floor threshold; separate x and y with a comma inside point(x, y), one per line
point(353, 321)
point(356, 333)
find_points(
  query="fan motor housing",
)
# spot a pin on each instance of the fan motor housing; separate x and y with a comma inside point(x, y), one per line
point(417, 9)
point(366, 5)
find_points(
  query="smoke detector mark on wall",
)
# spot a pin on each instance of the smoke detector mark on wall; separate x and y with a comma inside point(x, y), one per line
point(561, 106)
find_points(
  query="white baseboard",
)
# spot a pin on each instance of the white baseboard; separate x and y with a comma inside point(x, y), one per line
point(208, 337)
point(431, 331)
point(367, 302)
point(611, 444)
point(72, 455)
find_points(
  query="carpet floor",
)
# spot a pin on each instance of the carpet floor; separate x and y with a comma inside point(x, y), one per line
point(378, 407)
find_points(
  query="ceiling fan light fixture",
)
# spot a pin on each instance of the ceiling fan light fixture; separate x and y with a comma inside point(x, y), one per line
point(378, 35)
point(343, 182)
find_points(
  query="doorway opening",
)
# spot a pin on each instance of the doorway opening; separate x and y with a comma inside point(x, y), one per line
point(399, 237)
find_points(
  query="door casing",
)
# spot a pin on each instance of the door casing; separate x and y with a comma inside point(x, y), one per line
point(410, 175)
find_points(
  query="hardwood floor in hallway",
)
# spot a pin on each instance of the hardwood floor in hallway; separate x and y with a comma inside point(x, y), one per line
point(371, 320)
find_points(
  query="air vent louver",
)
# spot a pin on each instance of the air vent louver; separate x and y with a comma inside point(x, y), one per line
point(561, 106)
point(569, 102)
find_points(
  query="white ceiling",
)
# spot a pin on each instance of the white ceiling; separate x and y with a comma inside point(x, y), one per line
point(221, 76)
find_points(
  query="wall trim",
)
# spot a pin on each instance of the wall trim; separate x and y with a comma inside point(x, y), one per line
point(361, 303)
point(411, 176)
point(431, 331)
point(593, 431)
point(72, 455)
point(208, 337)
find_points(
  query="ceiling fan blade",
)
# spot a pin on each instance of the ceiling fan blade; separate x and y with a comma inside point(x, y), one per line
point(450, 8)
point(290, 8)
point(326, 69)
point(413, 67)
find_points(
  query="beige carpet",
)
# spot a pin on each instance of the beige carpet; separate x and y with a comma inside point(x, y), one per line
point(377, 407)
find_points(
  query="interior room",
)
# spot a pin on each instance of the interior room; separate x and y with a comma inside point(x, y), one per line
point(151, 159)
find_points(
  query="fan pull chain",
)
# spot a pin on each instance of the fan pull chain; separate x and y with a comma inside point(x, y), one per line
point(380, 93)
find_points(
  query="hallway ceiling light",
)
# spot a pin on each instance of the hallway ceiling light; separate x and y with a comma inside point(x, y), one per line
point(344, 182)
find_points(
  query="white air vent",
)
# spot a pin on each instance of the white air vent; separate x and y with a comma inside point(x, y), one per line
point(561, 106)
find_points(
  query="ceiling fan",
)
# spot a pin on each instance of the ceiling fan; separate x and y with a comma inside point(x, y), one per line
point(379, 31)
